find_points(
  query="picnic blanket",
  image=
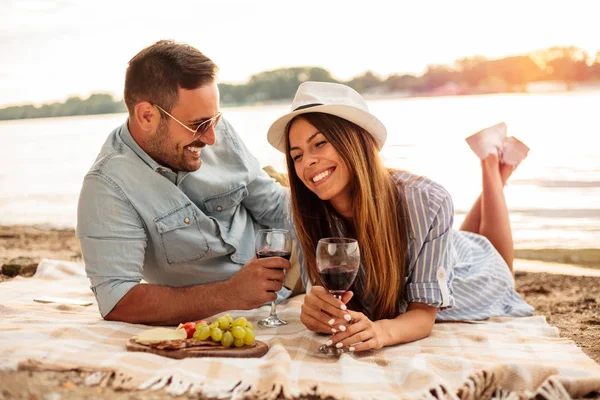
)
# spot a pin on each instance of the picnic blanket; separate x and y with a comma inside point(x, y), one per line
point(499, 358)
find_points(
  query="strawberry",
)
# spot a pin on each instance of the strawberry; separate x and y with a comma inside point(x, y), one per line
point(190, 328)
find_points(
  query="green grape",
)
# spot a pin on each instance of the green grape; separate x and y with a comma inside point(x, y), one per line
point(216, 334)
point(249, 338)
point(241, 321)
point(227, 340)
point(249, 325)
point(238, 332)
point(229, 318)
point(214, 324)
point(238, 342)
point(223, 323)
point(201, 325)
point(203, 333)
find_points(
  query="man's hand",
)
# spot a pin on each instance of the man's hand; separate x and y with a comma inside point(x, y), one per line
point(322, 312)
point(256, 283)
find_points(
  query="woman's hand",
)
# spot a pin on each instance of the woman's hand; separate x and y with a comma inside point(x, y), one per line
point(322, 312)
point(363, 334)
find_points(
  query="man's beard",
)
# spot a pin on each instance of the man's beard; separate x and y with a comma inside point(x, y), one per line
point(163, 151)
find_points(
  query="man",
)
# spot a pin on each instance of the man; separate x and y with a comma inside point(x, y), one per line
point(175, 198)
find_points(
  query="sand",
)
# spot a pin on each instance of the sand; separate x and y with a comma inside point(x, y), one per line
point(570, 302)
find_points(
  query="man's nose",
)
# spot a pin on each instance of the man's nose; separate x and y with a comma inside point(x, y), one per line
point(209, 137)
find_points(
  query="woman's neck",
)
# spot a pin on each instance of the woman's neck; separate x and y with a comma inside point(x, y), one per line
point(343, 205)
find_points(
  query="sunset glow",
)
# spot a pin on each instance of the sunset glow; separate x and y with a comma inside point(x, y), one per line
point(54, 49)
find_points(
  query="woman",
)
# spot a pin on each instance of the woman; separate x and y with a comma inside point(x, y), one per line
point(415, 267)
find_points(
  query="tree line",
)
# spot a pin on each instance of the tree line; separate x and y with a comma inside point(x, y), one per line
point(568, 65)
point(98, 103)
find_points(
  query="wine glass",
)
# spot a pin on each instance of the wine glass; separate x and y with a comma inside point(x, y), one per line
point(273, 243)
point(338, 260)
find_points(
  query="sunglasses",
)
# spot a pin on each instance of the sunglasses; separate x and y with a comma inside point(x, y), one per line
point(201, 129)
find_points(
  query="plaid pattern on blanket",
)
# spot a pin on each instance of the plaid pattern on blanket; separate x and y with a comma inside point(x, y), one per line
point(518, 357)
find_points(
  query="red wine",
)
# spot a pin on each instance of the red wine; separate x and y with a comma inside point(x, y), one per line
point(273, 253)
point(338, 279)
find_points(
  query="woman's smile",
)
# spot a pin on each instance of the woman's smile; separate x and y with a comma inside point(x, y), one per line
point(322, 176)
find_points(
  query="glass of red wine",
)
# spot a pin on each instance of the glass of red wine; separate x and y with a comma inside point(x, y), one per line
point(338, 261)
point(273, 243)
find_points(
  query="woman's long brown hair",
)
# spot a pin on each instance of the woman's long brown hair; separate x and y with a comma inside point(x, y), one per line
point(380, 217)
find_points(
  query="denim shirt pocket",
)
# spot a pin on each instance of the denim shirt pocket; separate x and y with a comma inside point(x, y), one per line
point(223, 206)
point(180, 235)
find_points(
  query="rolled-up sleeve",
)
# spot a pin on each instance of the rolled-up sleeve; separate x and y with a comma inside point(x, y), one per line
point(113, 241)
point(431, 280)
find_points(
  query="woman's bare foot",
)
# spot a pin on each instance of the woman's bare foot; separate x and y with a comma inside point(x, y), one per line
point(513, 151)
point(488, 141)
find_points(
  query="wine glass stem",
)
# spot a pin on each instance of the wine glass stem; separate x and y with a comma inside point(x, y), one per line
point(273, 310)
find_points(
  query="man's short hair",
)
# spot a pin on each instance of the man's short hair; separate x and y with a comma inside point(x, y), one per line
point(157, 72)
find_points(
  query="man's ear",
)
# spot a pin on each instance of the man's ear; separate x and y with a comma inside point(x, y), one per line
point(146, 116)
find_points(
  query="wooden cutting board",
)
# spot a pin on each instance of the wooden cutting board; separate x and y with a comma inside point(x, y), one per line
point(258, 349)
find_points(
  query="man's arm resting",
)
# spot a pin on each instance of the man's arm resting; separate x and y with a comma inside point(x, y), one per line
point(252, 286)
point(163, 305)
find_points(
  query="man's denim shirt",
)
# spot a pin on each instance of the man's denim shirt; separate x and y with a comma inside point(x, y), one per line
point(140, 220)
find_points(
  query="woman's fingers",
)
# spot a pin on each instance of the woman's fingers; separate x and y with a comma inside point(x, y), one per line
point(325, 296)
point(315, 320)
point(359, 324)
point(322, 300)
point(358, 337)
point(361, 335)
point(347, 296)
point(368, 345)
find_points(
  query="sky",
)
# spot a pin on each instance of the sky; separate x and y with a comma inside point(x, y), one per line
point(53, 49)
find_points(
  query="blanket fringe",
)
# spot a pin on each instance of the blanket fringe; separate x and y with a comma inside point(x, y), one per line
point(439, 392)
point(178, 386)
point(552, 389)
point(155, 383)
point(123, 381)
point(480, 385)
point(244, 391)
point(174, 385)
point(98, 378)
point(502, 394)
point(485, 385)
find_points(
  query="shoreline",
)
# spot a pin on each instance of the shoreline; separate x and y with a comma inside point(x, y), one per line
point(583, 87)
point(16, 241)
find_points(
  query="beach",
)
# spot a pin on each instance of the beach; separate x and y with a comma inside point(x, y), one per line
point(569, 302)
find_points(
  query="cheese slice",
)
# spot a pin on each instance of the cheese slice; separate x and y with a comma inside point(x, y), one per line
point(156, 335)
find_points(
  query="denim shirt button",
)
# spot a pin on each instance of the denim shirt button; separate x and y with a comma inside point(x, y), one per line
point(186, 220)
point(219, 208)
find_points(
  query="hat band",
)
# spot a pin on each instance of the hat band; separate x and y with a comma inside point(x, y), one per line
point(307, 106)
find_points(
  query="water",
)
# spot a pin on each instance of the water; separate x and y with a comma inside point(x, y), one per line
point(554, 195)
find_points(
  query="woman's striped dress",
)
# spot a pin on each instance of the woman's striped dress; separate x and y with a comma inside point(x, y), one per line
point(459, 272)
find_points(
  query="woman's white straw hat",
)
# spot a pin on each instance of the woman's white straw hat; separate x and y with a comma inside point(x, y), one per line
point(329, 98)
